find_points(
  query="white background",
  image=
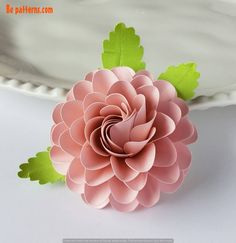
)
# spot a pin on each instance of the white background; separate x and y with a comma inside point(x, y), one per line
point(203, 210)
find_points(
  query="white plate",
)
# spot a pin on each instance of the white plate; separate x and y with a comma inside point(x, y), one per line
point(45, 54)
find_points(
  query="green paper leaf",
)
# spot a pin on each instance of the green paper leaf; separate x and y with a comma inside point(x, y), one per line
point(40, 169)
point(123, 49)
point(184, 77)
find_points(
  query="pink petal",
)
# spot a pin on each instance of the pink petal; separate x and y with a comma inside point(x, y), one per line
point(124, 88)
point(183, 131)
point(110, 110)
point(93, 110)
point(77, 131)
point(192, 138)
point(169, 188)
point(141, 80)
point(183, 156)
point(97, 177)
point(145, 73)
point(71, 111)
point(134, 147)
point(103, 80)
point(76, 171)
point(73, 186)
point(138, 182)
point(172, 110)
point(56, 132)
point(123, 73)
point(89, 76)
point(121, 170)
point(168, 175)
point(150, 194)
point(129, 207)
point(81, 89)
point(95, 142)
point(166, 154)
point(151, 94)
point(120, 132)
point(141, 132)
point(97, 195)
point(91, 160)
point(99, 206)
point(139, 103)
point(182, 105)
point(120, 192)
point(69, 145)
point(92, 98)
point(144, 160)
point(116, 99)
point(56, 115)
point(164, 126)
point(91, 125)
point(70, 95)
point(166, 89)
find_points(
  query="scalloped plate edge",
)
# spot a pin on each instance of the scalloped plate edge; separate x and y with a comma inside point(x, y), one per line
point(219, 99)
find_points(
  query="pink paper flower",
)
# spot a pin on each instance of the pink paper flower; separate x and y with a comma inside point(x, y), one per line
point(121, 138)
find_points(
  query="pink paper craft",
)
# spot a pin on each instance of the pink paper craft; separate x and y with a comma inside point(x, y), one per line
point(121, 138)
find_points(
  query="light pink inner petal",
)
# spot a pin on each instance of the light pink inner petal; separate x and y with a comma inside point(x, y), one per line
point(164, 126)
point(92, 98)
point(150, 194)
point(90, 75)
point(99, 206)
point(183, 156)
point(139, 104)
point(103, 80)
point(71, 111)
point(69, 145)
point(56, 115)
point(91, 125)
point(91, 160)
point(172, 110)
point(97, 177)
point(166, 154)
point(77, 131)
point(96, 195)
point(110, 110)
point(70, 95)
point(95, 142)
point(116, 99)
point(169, 188)
point(145, 73)
point(128, 207)
point(184, 130)
point(138, 182)
point(120, 132)
point(73, 186)
point(166, 89)
point(123, 73)
point(151, 94)
point(124, 88)
point(168, 175)
point(141, 132)
point(141, 80)
point(133, 147)
point(76, 171)
point(121, 192)
point(144, 160)
point(57, 130)
point(81, 89)
point(121, 170)
point(93, 110)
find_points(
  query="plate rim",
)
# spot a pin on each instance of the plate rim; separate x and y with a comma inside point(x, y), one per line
point(202, 102)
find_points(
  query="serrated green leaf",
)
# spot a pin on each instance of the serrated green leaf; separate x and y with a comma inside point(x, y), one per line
point(184, 77)
point(123, 49)
point(40, 169)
